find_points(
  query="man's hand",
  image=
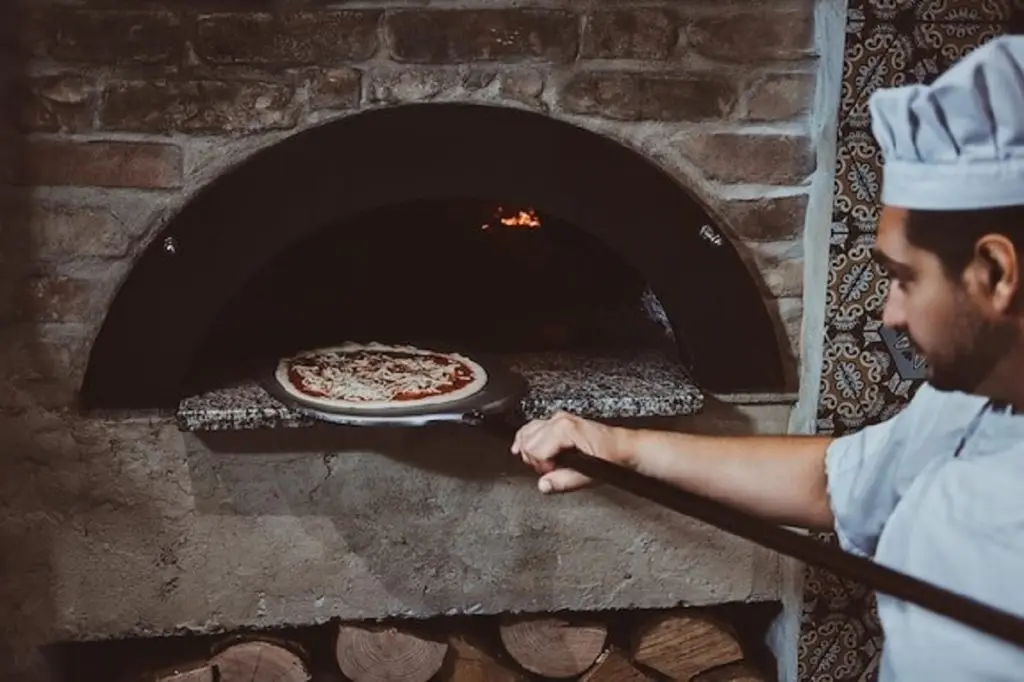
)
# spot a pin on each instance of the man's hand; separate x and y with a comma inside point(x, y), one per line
point(540, 440)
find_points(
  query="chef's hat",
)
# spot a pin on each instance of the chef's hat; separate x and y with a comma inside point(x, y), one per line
point(957, 143)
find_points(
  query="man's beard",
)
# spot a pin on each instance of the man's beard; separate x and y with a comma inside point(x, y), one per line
point(974, 348)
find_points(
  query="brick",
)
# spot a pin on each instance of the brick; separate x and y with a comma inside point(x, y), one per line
point(335, 89)
point(105, 36)
point(480, 77)
point(756, 35)
point(522, 86)
point(751, 158)
point(197, 106)
point(780, 97)
point(630, 34)
point(322, 37)
point(501, 35)
point(790, 312)
point(56, 103)
point(394, 86)
point(57, 298)
point(641, 96)
point(768, 219)
point(58, 231)
point(41, 364)
point(102, 164)
point(781, 265)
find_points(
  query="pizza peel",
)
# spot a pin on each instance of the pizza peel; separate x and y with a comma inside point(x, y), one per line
point(496, 409)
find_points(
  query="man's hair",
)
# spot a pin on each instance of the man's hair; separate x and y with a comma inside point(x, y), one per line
point(952, 235)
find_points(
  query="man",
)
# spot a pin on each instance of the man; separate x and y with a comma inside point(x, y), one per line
point(936, 492)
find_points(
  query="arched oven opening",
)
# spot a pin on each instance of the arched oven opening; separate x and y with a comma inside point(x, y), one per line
point(495, 229)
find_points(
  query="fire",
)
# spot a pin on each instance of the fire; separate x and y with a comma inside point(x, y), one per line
point(525, 218)
point(519, 219)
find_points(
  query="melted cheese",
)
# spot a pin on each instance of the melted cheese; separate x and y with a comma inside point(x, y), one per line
point(352, 381)
point(381, 377)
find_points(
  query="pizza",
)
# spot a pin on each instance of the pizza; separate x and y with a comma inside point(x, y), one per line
point(375, 376)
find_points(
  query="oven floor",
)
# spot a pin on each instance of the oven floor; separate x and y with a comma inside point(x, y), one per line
point(599, 385)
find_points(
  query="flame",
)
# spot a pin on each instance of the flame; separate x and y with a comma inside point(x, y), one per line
point(525, 218)
point(519, 219)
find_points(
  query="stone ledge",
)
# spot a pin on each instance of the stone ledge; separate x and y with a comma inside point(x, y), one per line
point(364, 524)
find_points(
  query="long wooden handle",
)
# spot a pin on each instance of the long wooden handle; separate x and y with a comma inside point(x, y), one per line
point(965, 610)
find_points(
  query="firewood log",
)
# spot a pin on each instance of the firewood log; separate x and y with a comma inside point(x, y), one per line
point(553, 647)
point(259, 660)
point(387, 654)
point(193, 671)
point(613, 666)
point(733, 672)
point(683, 645)
point(469, 660)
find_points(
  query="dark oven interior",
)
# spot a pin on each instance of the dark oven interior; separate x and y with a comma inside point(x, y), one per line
point(465, 273)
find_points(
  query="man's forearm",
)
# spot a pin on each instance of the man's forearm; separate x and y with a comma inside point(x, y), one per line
point(781, 478)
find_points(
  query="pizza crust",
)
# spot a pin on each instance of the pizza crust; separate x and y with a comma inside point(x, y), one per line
point(423, 375)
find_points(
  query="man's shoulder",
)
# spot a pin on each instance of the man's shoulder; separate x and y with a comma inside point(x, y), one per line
point(927, 396)
point(944, 409)
point(930, 425)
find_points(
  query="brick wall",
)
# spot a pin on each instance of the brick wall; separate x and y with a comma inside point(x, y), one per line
point(124, 113)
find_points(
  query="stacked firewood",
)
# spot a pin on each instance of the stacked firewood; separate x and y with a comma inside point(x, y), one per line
point(683, 645)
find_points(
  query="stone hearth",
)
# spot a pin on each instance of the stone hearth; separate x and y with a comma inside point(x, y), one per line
point(122, 524)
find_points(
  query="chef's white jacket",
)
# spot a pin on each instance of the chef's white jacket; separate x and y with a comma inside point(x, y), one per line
point(937, 492)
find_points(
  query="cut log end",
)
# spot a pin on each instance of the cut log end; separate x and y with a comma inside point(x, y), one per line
point(259, 661)
point(553, 647)
point(367, 654)
point(184, 672)
point(614, 666)
point(471, 660)
point(734, 672)
point(200, 674)
point(682, 646)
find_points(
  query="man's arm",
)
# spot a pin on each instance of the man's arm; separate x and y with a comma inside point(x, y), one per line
point(781, 478)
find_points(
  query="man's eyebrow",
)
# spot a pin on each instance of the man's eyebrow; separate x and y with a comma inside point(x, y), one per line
point(890, 264)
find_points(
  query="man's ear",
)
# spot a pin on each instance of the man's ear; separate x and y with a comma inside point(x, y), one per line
point(1001, 268)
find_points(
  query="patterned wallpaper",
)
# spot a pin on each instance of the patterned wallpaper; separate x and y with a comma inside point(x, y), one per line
point(869, 371)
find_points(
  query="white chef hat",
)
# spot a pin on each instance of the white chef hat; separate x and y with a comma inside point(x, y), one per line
point(958, 143)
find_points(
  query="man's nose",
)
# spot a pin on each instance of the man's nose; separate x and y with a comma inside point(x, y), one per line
point(892, 313)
